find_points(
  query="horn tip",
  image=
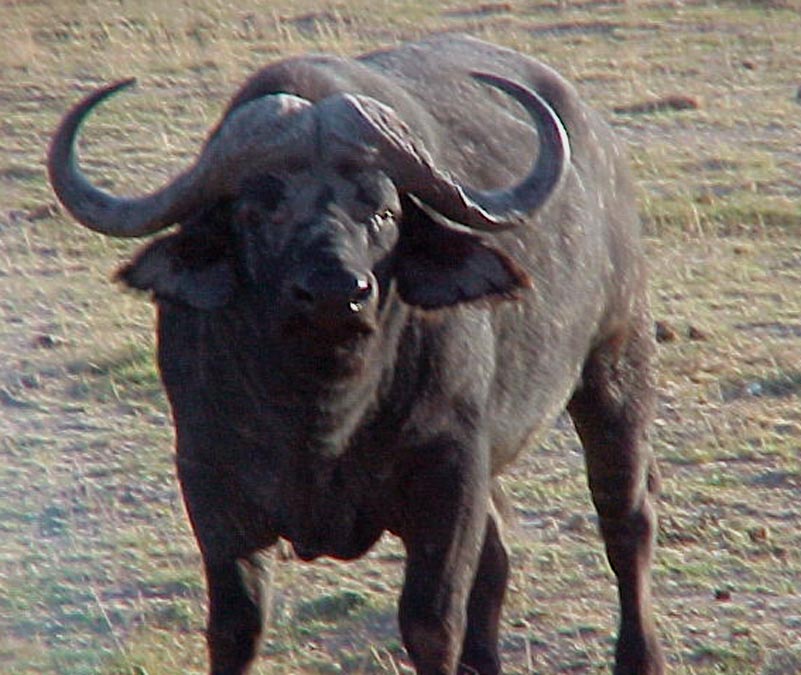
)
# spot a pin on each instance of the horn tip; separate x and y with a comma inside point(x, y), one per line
point(114, 87)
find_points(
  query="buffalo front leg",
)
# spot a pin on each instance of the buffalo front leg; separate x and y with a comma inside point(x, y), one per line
point(227, 543)
point(480, 652)
point(444, 515)
point(611, 411)
point(235, 615)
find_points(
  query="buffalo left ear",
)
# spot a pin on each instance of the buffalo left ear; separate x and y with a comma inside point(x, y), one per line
point(441, 263)
point(176, 270)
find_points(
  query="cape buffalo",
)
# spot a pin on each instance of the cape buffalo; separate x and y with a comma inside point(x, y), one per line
point(390, 274)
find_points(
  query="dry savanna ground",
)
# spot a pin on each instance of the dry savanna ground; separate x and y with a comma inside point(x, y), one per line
point(98, 570)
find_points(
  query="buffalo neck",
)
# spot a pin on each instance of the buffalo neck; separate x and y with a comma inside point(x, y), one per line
point(259, 385)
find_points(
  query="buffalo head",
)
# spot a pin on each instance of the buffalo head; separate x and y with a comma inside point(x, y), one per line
point(317, 209)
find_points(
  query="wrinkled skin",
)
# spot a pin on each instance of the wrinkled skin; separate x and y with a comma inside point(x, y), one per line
point(343, 360)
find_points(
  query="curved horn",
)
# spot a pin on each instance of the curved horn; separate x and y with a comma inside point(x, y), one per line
point(99, 210)
point(553, 159)
point(253, 136)
point(363, 126)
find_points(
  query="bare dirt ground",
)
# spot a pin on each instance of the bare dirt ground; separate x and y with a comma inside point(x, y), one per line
point(98, 570)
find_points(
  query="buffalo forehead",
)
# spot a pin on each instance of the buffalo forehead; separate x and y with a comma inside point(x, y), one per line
point(315, 190)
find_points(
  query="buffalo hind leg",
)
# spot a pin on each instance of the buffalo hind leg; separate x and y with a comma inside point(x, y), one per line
point(480, 652)
point(611, 412)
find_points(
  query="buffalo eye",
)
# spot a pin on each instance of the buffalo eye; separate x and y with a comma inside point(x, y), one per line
point(265, 189)
point(379, 220)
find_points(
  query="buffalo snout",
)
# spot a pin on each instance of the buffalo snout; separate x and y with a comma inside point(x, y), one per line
point(331, 298)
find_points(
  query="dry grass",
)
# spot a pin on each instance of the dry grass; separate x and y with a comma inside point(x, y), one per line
point(98, 570)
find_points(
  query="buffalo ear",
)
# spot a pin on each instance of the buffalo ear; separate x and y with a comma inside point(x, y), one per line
point(441, 263)
point(181, 269)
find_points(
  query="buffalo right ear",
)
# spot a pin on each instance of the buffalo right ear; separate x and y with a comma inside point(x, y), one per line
point(176, 268)
point(440, 263)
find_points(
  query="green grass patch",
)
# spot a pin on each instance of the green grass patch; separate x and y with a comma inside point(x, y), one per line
point(330, 607)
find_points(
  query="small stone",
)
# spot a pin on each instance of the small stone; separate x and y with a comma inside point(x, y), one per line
point(722, 594)
point(671, 102)
point(49, 210)
point(48, 341)
point(695, 333)
point(753, 389)
point(665, 332)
